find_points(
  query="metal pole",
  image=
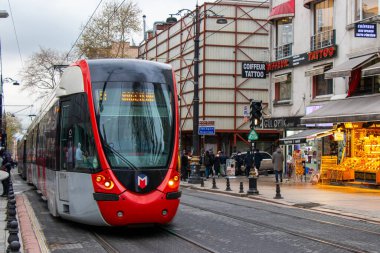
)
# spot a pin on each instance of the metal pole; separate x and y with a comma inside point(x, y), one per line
point(196, 85)
point(195, 171)
point(1, 97)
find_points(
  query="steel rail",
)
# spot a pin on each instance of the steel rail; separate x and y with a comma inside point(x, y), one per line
point(106, 245)
point(281, 229)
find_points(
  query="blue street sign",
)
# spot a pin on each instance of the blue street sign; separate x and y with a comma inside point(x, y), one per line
point(206, 130)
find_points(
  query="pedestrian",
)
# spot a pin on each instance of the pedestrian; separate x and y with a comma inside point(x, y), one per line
point(257, 158)
point(208, 164)
point(184, 165)
point(239, 163)
point(248, 161)
point(278, 161)
point(6, 165)
point(217, 164)
point(223, 163)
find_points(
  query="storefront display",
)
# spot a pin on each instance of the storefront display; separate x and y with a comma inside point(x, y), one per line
point(359, 161)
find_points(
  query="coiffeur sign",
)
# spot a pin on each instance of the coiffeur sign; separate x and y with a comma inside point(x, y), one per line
point(302, 59)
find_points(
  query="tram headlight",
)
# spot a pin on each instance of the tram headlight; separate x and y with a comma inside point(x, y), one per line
point(171, 183)
point(108, 184)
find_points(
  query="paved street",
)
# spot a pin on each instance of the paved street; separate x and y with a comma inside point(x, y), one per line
point(214, 222)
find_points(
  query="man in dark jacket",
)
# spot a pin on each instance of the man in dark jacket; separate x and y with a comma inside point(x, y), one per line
point(257, 159)
point(248, 163)
point(184, 165)
point(7, 164)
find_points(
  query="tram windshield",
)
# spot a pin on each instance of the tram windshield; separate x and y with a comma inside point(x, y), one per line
point(136, 123)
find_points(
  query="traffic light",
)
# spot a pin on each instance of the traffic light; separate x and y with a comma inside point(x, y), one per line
point(256, 113)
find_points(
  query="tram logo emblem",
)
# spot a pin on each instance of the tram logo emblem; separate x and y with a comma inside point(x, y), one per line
point(142, 181)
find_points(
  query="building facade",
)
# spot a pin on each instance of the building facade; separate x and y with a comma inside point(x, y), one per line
point(324, 70)
point(224, 95)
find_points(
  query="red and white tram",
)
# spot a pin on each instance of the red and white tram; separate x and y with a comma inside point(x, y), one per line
point(104, 150)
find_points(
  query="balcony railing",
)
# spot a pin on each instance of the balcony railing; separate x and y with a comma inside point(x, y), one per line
point(284, 51)
point(322, 40)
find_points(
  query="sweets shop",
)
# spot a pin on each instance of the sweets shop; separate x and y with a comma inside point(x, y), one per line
point(351, 153)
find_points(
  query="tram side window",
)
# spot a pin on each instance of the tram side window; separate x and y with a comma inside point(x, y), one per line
point(77, 137)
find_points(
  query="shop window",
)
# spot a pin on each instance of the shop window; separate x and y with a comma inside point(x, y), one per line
point(283, 89)
point(284, 38)
point(322, 86)
point(366, 8)
point(368, 85)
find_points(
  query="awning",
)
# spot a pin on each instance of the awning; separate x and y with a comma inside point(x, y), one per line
point(372, 70)
point(353, 109)
point(282, 10)
point(345, 69)
point(304, 135)
point(280, 78)
point(319, 70)
point(306, 3)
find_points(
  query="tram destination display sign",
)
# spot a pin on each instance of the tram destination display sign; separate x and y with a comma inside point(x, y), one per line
point(364, 30)
point(251, 69)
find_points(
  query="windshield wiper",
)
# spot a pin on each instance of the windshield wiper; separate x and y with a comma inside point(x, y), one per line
point(114, 151)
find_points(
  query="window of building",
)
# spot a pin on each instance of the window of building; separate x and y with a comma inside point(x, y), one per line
point(323, 16)
point(324, 34)
point(366, 9)
point(322, 86)
point(284, 38)
point(368, 85)
point(283, 89)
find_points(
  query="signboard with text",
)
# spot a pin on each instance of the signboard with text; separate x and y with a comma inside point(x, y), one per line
point(302, 59)
point(364, 30)
point(252, 69)
point(206, 127)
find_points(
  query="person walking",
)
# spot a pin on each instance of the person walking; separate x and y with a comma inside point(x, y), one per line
point(239, 163)
point(223, 162)
point(278, 161)
point(248, 160)
point(257, 159)
point(217, 164)
point(208, 164)
point(7, 166)
point(184, 165)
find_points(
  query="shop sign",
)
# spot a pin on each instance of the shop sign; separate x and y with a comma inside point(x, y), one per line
point(338, 136)
point(350, 125)
point(287, 122)
point(252, 69)
point(206, 127)
point(302, 59)
point(293, 142)
point(364, 30)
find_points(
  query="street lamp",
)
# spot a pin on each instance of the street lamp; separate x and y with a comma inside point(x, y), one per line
point(3, 14)
point(195, 170)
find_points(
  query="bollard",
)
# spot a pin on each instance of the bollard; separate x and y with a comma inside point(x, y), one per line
point(15, 247)
point(214, 184)
point(13, 233)
point(202, 182)
point(278, 192)
point(252, 180)
point(241, 188)
point(228, 188)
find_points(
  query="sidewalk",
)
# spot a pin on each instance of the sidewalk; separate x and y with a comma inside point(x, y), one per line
point(341, 200)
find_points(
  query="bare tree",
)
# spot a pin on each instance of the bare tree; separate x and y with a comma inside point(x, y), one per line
point(39, 75)
point(109, 32)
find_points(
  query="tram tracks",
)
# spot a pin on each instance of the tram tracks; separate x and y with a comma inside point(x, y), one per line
point(281, 229)
point(109, 248)
point(293, 216)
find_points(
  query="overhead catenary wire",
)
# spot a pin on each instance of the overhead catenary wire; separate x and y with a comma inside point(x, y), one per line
point(109, 19)
point(84, 28)
point(14, 29)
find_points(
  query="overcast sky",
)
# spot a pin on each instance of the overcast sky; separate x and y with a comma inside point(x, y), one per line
point(55, 24)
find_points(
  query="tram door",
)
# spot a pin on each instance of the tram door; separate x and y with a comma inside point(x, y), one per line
point(66, 150)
